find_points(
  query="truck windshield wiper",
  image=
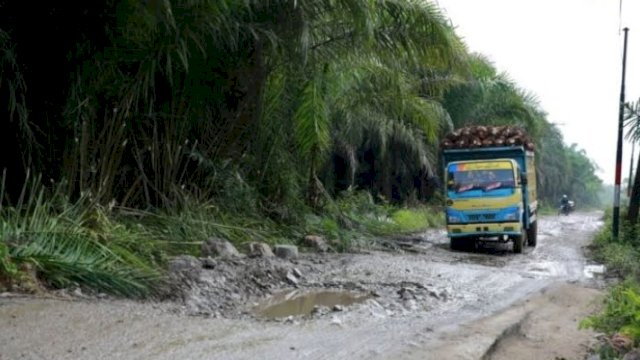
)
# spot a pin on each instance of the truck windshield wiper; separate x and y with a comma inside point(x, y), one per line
point(498, 185)
point(463, 188)
point(492, 186)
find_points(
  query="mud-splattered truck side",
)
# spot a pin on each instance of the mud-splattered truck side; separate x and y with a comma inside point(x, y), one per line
point(490, 194)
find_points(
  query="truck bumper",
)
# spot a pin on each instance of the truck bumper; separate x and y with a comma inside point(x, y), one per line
point(484, 229)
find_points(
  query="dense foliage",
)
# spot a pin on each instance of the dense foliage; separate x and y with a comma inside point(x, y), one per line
point(266, 111)
point(140, 102)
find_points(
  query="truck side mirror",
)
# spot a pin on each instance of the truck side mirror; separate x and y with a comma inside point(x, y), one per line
point(450, 181)
point(523, 178)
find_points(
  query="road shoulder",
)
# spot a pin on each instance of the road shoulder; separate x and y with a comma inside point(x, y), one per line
point(543, 326)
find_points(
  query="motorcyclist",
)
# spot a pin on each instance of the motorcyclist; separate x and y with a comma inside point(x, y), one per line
point(565, 203)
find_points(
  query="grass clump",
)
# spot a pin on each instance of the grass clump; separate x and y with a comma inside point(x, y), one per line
point(621, 256)
point(621, 313)
point(547, 208)
point(619, 320)
point(417, 219)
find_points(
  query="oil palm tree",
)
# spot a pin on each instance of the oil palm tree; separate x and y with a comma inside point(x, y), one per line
point(632, 122)
point(348, 76)
point(138, 80)
point(552, 163)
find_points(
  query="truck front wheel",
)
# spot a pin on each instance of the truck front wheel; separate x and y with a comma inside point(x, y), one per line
point(532, 234)
point(519, 241)
point(456, 243)
point(461, 243)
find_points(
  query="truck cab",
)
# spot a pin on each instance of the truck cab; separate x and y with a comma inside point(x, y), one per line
point(490, 195)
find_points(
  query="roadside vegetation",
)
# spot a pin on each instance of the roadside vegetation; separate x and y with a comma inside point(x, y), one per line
point(620, 319)
point(139, 129)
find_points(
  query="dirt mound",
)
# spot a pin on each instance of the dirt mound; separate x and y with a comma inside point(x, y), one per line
point(217, 286)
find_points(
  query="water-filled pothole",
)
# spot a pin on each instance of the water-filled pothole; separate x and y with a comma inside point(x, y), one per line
point(299, 302)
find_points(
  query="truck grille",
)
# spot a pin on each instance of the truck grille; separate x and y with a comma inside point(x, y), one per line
point(481, 217)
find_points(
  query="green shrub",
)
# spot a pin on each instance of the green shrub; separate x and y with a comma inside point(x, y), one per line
point(7, 268)
point(412, 220)
point(621, 256)
point(621, 313)
point(73, 244)
point(330, 228)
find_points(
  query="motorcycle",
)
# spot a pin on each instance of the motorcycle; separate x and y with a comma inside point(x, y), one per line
point(566, 209)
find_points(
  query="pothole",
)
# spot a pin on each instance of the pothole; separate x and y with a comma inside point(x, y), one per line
point(304, 302)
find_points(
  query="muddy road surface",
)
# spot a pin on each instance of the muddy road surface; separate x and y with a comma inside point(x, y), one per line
point(418, 300)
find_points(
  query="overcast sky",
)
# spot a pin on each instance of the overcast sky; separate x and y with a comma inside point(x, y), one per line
point(569, 54)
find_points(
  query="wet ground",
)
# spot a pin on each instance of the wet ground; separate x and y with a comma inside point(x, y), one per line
point(413, 302)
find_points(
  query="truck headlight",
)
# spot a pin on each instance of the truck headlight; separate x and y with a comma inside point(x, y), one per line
point(512, 215)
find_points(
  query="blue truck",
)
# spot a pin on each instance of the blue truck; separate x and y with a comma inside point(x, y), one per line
point(490, 195)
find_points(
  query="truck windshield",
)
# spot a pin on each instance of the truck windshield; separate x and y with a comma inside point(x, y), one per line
point(483, 181)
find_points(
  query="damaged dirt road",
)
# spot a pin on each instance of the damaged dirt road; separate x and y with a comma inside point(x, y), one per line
point(419, 301)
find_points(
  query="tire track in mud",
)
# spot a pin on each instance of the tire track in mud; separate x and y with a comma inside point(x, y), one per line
point(537, 325)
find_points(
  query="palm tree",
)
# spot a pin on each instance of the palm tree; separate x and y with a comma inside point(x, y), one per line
point(490, 98)
point(632, 118)
point(154, 86)
point(552, 163)
point(352, 82)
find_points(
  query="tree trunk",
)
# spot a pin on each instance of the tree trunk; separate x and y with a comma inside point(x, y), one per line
point(314, 188)
point(385, 178)
point(250, 83)
point(634, 201)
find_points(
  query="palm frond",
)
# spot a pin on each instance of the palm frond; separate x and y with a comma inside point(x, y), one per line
point(312, 129)
point(632, 121)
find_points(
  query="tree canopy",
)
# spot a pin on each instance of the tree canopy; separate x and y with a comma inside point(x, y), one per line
point(265, 103)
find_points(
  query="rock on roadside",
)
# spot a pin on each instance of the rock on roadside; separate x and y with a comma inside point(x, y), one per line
point(260, 249)
point(286, 251)
point(214, 246)
point(316, 242)
point(186, 266)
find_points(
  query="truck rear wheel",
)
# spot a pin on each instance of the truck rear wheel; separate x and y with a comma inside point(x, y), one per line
point(519, 241)
point(532, 234)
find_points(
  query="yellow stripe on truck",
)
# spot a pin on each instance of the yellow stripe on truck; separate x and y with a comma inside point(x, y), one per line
point(487, 202)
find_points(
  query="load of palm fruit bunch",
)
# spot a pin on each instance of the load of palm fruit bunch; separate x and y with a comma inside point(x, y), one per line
point(487, 136)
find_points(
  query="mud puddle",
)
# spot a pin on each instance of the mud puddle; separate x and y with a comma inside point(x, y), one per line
point(297, 302)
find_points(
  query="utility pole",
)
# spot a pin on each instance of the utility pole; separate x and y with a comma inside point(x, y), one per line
point(616, 189)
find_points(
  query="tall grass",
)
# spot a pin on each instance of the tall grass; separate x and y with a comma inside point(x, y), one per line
point(72, 244)
point(123, 251)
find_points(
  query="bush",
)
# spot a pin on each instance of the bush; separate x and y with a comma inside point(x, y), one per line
point(8, 269)
point(621, 256)
point(621, 313)
point(412, 220)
